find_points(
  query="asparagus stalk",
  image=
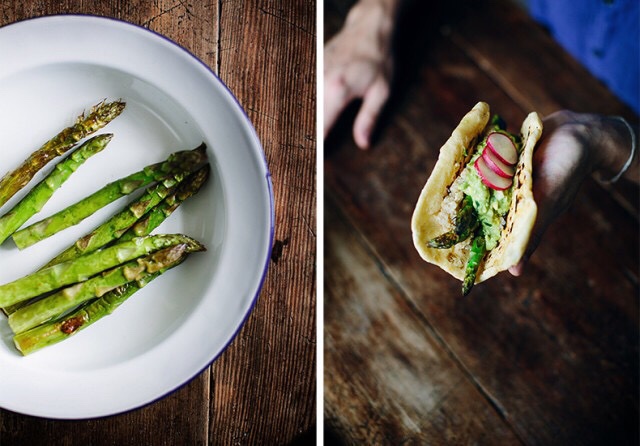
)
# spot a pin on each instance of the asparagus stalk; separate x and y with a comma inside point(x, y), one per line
point(478, 250)
point(15, 307)
point(82, 268)
point(69, 298)
point(55, 331)
point(99, 116)
point(178, 162)
point(33, 202)
point(162, 211)
point(117, 225)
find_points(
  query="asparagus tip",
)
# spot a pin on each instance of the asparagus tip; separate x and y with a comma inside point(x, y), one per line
point(196, 246)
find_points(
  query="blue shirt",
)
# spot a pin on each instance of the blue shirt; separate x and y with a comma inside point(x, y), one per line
point(604, 35)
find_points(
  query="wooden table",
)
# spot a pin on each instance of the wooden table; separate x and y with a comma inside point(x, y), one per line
point(549, 358)
point(262, 389)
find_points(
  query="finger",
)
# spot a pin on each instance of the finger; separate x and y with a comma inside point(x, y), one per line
point(517, 269)
point(372, 103)
point(336, 97)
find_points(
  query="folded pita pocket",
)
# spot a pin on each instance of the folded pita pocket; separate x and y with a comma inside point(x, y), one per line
point(436, 208)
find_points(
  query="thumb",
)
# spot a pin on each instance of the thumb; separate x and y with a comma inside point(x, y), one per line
point(373, 101)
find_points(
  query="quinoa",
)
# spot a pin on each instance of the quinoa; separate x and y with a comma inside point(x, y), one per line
point(450, 203)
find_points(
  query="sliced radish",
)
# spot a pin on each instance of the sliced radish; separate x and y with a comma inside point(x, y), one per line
point(494, 163)
point(489, 177)
point(502, 146)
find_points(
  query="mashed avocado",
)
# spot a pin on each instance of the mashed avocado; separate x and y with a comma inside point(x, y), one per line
point(491, 205)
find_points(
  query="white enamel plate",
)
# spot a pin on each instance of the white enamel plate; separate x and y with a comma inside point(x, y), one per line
point(51, 70)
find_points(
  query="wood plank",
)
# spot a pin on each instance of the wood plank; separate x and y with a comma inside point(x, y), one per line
point(557, 349)
point(387, 378)
point(267, 58)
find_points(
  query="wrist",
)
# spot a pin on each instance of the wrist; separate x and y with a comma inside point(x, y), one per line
point(615, 146)
point(608, 143)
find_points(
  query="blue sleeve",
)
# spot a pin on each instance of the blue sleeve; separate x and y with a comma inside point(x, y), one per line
point(604, 35)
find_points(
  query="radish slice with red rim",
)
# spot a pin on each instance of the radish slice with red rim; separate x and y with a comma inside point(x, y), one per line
point(494, 163)
point(502, 146)
point(490, 178)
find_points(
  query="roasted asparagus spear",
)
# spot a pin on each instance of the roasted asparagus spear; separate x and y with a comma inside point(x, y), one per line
point(478, 250)
point(98, 117)
point(466, 221)
point(37, 197)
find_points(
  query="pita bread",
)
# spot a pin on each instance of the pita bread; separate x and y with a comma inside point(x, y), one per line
point(436, 207)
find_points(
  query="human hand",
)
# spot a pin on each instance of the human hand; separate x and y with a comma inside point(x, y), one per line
point(573, 146)
point(358, 65)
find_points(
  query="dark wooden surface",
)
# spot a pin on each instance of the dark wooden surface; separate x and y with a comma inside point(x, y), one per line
point(549, 358)
point(262, 389)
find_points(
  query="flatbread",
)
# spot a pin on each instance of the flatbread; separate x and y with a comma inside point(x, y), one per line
point(433, 214)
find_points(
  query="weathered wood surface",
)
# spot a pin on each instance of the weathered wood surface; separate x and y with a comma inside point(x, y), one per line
point(548, 358)
point(407, 388)
point(262, 389)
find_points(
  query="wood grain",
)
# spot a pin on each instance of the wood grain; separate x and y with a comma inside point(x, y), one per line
point(262, 389)
point(273, 74)
point(389, 380)
point(555, 352)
